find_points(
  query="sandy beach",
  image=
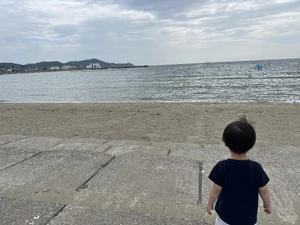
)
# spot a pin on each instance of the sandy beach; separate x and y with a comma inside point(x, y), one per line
point(275, 124)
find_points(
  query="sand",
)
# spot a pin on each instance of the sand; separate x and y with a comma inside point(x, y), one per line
point(275, 124)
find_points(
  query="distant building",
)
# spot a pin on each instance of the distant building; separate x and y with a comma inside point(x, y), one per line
point(68, 67)
point(54, 68)
point(94, 66)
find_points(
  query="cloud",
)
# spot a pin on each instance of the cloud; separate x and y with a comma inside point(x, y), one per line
point(121, 30)
point(229, 22)
point(283, 24)
point(42, 19)
point(70, 12)
point(165, 9)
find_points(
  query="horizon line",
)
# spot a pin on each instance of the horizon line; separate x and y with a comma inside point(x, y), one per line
point(229, 61)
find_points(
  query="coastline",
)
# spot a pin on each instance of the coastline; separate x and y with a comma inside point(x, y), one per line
point(72, 70)
point(201, 123)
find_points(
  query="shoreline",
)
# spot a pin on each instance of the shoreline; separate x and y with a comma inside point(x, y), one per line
point(156, 102)
point(201, 123)
point(72, 70)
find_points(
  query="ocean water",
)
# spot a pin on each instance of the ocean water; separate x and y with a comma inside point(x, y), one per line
point(279, 81)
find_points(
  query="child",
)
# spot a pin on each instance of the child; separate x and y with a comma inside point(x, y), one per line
point(238, 180)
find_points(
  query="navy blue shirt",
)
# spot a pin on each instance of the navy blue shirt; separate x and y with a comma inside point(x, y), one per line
point(238, 201)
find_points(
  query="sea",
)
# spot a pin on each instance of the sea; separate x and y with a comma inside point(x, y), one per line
point(277, 82)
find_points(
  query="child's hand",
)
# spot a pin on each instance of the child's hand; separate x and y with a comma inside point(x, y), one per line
point(268, 209)
point(265, 195)
point(209, 208)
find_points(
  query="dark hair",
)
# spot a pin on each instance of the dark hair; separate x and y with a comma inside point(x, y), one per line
point(239, 136)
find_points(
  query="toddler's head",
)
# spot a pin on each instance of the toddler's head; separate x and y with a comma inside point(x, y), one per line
point(239, 136)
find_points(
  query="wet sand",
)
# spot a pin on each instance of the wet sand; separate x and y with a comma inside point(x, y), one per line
point(275, 124)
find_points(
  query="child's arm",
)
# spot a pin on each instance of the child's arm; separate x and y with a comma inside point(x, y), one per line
point(214, 194)
point(265, 195)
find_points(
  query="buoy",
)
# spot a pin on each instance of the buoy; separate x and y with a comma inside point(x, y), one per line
point(259, 67)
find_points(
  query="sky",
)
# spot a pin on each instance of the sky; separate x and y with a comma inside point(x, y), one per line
point(151, 32)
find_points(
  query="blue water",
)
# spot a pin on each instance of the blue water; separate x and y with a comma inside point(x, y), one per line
point(279, 81)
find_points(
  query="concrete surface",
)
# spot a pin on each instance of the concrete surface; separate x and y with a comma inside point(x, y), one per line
point(131, 181)
point(74, 215)
point(80, 144)
point(53, 175)
point(19, 211)
point(122, 147)
point(13, 157)
point(146, 183)
point(33, 143)
point(5, 139)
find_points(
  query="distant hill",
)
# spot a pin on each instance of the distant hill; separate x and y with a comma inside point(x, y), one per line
point(85, 63)
point(48, 65)
point(6, 66)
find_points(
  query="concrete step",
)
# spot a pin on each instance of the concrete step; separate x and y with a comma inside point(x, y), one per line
point(162, 179)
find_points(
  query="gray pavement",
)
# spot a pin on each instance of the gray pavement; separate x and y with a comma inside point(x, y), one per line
point(123, 147)
point(33, 143)
point(14, 157)
point(76, 215)
point(147, 184)
point(128, 182)
point(80, 144)
point(5, 139)
point(19, 211)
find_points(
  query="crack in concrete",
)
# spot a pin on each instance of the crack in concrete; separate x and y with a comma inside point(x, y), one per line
point(105, 150)
point(21, 161)
point(56, 214)
point(8, 142)
point(4, 143)
point(169, 152)
point(84, 184)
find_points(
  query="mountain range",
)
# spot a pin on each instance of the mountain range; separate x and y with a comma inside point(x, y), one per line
point(47, 65)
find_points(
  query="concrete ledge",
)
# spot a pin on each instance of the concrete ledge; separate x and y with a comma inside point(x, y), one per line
point(80, 144)
point(33, 143)
point(163, 179)
point(5, 139)
point(122, 147)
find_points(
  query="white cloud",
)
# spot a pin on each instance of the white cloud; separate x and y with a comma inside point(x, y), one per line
point(39, 20)
point(284, 1)
point(72, 12)
point(254, 18)
point(283, 24)
point(211, 8)
point(127, 28)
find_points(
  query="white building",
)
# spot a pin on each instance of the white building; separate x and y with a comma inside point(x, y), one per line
point(93, 66)
point(54, 68)
point(68, 67)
